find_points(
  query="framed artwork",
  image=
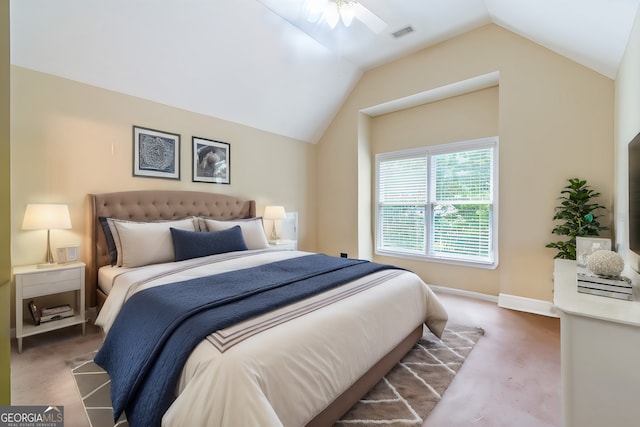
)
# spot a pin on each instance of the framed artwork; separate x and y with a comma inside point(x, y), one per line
point(211, 161)
point(156, 154)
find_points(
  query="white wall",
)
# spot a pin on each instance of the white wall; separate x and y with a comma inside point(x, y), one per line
point(627, 125)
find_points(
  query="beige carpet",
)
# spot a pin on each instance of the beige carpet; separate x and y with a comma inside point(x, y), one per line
point(404, 397)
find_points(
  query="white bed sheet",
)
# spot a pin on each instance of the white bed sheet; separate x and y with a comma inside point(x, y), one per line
point(106, 276)
point(287, 374)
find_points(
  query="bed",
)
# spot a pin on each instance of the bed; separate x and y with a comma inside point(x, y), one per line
point(303, 364)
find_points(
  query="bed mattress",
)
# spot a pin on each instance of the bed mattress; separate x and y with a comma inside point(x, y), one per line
point(281, 369)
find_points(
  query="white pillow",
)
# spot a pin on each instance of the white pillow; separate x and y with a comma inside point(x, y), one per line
point(252, 230)
point(144, 243)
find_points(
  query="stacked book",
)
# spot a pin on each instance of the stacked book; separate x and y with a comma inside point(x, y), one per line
point(589, 283)
point(56, 313)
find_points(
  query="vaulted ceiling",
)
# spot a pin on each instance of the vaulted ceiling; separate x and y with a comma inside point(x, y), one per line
point(262, 63)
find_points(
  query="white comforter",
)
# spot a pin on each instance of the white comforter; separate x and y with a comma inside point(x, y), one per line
point(287, 374)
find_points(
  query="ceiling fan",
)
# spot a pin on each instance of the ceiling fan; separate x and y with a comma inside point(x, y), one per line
point(331, 12)
point(345, 11)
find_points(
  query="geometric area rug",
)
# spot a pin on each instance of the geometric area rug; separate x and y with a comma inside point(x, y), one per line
point(93, 385)
point(410, 391)
point(404, 397)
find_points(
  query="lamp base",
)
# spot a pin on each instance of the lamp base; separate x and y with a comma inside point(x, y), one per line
point(50, 262)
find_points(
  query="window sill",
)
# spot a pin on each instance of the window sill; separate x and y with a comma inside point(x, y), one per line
point(440, 260)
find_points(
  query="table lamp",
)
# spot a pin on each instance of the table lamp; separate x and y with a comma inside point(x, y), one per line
point(274, 213)
point(46, 217)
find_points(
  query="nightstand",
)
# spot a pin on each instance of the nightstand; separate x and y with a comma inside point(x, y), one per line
point(33, 283)
point(284, 244)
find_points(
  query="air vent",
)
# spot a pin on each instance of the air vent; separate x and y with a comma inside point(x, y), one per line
point(402, 32)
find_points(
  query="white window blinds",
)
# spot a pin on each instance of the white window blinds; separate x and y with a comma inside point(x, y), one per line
point(403, 203)
point(438, 202)
point(462, 204)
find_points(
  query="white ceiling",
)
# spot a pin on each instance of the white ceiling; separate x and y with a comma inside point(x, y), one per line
point(263, 64)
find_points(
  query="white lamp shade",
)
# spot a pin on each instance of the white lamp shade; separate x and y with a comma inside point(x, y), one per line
point(46, 217)
point(275, 212)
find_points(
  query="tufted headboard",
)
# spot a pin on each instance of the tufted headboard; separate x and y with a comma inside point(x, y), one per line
point(150, 205)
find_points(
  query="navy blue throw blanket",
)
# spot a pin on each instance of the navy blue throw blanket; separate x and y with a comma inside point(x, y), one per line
point(157, 328)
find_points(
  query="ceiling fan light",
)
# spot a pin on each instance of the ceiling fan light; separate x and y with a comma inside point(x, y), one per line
point(347, 12)
point(332, 14)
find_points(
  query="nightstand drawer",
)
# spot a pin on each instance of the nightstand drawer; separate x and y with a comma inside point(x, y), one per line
point(50, 282)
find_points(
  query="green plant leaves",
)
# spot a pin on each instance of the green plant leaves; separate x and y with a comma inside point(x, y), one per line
point(577, 212)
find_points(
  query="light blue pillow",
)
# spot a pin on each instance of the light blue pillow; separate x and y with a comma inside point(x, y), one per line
point(195, 244)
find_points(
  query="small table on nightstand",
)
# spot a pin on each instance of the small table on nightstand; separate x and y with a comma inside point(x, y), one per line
point(33, 282)
point(284, 244)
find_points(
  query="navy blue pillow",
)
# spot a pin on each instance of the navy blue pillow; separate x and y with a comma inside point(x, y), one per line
point(194, 244)
point(111, 244)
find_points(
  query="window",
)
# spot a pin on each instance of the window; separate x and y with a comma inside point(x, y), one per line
point(439, 202)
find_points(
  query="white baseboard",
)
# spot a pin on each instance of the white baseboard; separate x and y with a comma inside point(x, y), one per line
point(528, 305)
point(511, 302)
point(463, 293)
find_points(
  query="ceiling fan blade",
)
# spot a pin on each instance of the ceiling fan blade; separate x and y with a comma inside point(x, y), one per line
point(369, 19)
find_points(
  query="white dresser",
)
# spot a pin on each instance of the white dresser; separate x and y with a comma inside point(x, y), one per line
point(600, 354)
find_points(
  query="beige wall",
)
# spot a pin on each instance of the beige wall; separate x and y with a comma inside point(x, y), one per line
point(5, 242)
point(627, 125)
point(438, 122)
point(555, 121)
point(69, 139)
point(432, 124)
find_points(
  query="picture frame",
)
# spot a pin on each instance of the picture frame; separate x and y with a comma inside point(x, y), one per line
point(156, 154)
point(35, 315)
point(211, 161)
point(585, 246)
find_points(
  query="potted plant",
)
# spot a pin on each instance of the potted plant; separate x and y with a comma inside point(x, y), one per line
point(576, 210)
